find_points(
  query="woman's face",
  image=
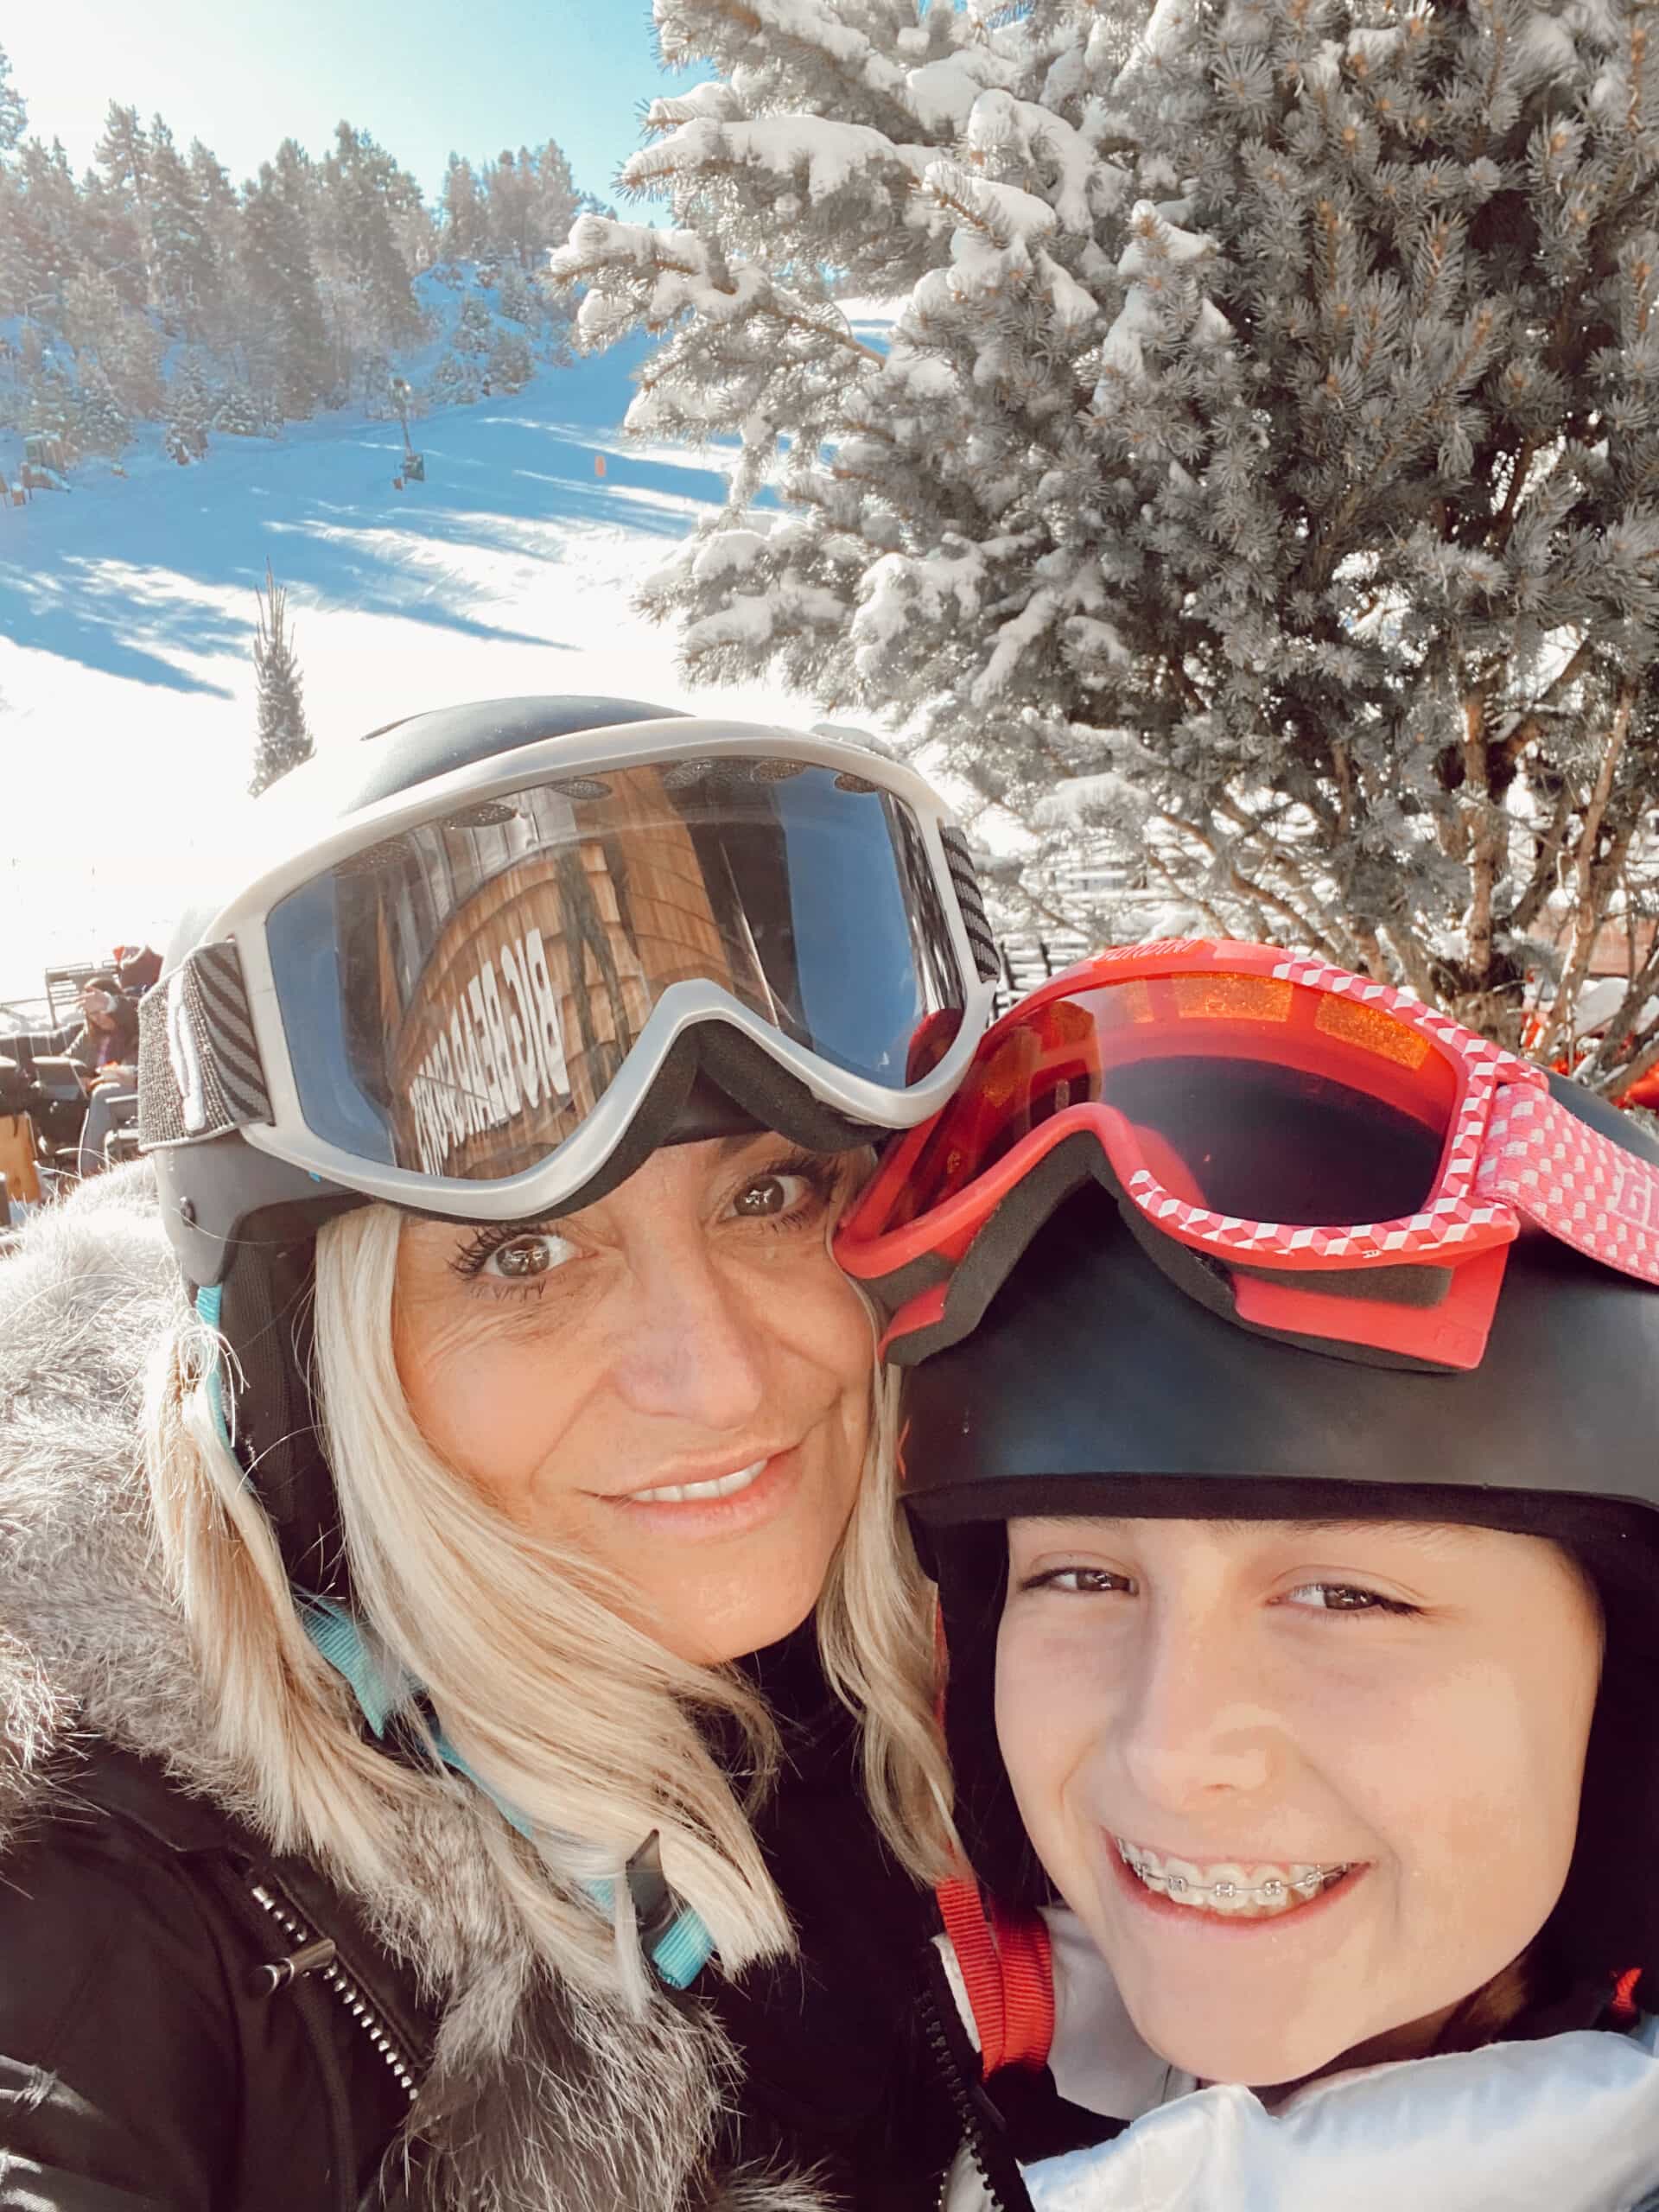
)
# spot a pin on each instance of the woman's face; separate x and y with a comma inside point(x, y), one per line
point(1203, 1721)
point(674, 1382)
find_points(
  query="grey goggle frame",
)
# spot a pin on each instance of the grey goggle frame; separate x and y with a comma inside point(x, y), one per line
point(216, 1060)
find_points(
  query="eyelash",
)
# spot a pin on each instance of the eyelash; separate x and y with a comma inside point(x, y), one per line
point(821, 1176)
point(1103, 1581)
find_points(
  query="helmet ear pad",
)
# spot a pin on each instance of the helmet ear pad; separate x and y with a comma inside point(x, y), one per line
point(267, 1317)
point(1608, 1917)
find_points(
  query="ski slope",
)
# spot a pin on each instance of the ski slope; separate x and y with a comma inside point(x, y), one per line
point(127, 611)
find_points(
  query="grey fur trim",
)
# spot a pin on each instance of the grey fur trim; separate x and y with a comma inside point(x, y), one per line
point(539, 2100)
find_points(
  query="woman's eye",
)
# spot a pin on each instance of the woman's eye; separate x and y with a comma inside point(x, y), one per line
point(1344, 1597)
point(769, 1197)
point(522, 1259)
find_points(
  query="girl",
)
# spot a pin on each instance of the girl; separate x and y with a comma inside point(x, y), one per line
point(1278, 1413)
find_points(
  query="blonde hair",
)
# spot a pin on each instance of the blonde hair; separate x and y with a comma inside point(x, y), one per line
point(560, 1707)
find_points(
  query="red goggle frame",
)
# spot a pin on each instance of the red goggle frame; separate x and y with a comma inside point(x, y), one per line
point(1509, 1153)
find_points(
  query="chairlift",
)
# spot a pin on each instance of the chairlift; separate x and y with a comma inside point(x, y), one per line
point(415, 467)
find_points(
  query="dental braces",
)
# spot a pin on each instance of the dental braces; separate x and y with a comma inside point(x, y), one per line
point(1272, 1892)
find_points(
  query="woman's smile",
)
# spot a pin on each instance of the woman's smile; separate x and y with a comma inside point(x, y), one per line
point(719, 1506)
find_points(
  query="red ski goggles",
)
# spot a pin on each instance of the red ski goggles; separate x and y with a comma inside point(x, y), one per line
point(1343, 1165)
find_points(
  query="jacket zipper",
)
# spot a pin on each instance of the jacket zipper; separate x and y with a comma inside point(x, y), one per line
point(973, 2127)
point(319, 1955)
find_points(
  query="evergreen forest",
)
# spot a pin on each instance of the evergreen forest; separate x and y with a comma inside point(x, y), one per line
point(156, 288)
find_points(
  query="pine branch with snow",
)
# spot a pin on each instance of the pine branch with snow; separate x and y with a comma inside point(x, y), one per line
point(1264, 452)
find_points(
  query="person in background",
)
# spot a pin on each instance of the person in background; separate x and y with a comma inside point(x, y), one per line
point(137, 967)
point(107, 1047)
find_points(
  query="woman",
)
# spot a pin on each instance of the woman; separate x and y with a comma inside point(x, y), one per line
point(1289, 1476)
point(394, 1809)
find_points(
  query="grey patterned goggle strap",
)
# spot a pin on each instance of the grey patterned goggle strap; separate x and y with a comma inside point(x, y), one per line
point(986, 959)
point(199, 1068)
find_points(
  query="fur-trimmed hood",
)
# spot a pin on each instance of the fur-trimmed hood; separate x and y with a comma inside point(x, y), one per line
point(537, 2097)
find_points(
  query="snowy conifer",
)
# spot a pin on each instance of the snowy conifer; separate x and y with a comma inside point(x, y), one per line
point(1260, 477)
point(462, 209)
point(455, 382)
point(474, 326)
point(287, 339)
point(101, 424)
point(509, 364)
point(237, 414)
point(192, 403)
point(284, 740)
point(13, 113)
point(183, 252)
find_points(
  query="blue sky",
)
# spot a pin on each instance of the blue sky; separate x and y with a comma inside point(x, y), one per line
point(423, 75)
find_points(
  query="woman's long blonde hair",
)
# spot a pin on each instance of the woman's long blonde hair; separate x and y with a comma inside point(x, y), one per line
point(579, 1721)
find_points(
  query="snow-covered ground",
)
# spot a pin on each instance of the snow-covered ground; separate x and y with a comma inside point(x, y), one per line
point(127, 607)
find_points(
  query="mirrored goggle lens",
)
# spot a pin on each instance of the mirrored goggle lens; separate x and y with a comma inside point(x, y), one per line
point(1247, 1095)
point(459, 997)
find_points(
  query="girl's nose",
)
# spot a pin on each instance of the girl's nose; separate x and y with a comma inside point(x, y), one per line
point(1194, 1727)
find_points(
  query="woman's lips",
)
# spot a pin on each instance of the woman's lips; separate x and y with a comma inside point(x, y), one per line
point(721, 1505)
point(688, 1493)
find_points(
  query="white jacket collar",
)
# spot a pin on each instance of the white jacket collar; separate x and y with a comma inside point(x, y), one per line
point(1567, 2123)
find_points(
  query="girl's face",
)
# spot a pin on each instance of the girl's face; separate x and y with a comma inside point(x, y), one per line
point(1307, 1785)
point(673, 1382)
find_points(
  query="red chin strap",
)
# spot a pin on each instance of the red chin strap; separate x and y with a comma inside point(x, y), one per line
point(1008, 1970)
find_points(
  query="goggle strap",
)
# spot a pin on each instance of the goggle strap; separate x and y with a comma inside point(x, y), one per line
point(199, 1073)
point(965, 882)
point(1565, 1177)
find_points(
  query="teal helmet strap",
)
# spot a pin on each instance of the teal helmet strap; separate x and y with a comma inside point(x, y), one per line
point(673, 1937)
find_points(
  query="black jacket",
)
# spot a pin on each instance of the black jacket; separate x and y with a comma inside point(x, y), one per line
point(189, 2022)
point(147, 2060)
point(157, 2050)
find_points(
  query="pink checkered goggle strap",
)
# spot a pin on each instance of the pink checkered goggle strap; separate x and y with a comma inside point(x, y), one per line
point(1570, 1179)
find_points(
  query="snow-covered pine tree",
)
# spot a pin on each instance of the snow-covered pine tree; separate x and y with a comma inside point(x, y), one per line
point(365, 206)
point(509, 364)
point(14, 114)
point(126, 345)
point(286, 337)
point(183, 252)
point(283, 740)
point(192, 403)
point(237, 414)
point(463, 220)
point(454, 382)
point(474, 326)
point(101, 424)
point(1260, 476)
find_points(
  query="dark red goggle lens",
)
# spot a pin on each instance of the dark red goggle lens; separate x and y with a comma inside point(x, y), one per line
point(1249, 1094)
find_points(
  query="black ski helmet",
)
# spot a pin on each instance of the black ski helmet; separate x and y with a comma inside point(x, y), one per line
point(1097, 1382)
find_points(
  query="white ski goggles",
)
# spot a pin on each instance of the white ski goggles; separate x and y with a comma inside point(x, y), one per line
point(488, 997)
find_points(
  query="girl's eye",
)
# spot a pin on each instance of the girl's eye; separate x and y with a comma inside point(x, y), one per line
point(1080, 1581)
point(771, 1197)
point(1344, 1597)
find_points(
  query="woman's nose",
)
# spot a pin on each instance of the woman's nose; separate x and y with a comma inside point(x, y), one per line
point(694, 1351)
point(1195, 1728)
